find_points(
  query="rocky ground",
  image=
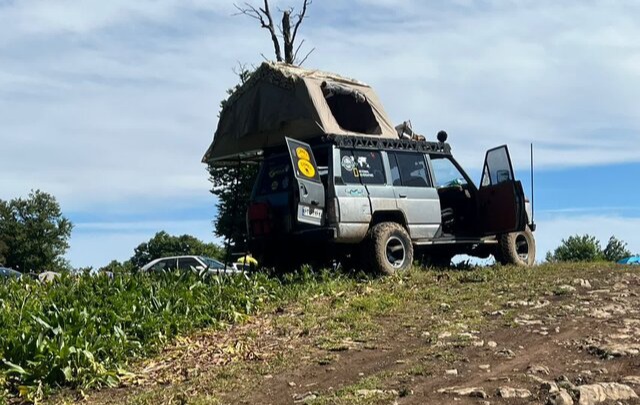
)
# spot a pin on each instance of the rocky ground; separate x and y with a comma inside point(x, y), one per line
point(550, 335)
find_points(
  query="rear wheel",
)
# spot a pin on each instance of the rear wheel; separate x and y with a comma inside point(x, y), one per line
point(392, 248)
point(517, 248)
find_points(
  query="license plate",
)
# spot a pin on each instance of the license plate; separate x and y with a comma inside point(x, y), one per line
point(312, 212)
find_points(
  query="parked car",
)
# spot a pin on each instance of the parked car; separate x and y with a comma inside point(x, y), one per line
point(6, 273)
point(194, 263)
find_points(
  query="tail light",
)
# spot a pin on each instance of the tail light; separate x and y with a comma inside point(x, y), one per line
point(258, 219)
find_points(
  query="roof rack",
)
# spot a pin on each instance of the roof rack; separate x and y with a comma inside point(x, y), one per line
point(369, 142)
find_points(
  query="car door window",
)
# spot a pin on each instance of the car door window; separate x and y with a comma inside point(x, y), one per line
point(164, 265)
point(446, 173)
point(187, 263)
point(409, 170)
point(359, 166)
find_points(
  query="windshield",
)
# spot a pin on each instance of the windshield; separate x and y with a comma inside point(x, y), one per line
point(212, 263)
point(446, 173)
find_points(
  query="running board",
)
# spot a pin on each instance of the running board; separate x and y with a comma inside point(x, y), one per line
point(456, 241)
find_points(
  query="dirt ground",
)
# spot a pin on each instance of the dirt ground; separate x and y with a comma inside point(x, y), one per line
point(558, 336)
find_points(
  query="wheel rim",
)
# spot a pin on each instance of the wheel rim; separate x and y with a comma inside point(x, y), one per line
point(522, 248)
point(396, 252)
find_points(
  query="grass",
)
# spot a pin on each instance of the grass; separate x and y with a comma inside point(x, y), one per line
point(326, 313)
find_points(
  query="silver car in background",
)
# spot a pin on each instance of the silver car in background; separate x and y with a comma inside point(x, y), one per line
point(192, 263)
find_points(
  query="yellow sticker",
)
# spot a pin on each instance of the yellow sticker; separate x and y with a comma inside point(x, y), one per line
point(302, 153)
point(306, 168)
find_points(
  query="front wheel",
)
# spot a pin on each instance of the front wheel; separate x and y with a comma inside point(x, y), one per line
point(392, 248)
point(517, 248)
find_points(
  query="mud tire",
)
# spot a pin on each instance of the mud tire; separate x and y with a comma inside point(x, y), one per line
point(390, 248)
point(517, 248)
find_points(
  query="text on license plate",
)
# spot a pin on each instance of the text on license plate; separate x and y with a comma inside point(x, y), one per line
point(312, 212)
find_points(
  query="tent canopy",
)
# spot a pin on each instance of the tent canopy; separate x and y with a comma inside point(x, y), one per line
point(281, 100)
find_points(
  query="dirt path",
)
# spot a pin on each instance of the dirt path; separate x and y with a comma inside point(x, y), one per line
point(544, 340)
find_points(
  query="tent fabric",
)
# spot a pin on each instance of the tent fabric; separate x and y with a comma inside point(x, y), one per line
point(281, 100)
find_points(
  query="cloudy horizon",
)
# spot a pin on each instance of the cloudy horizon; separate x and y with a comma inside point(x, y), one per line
point(110, 106)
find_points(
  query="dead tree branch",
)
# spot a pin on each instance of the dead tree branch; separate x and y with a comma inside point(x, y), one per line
point(260, 14)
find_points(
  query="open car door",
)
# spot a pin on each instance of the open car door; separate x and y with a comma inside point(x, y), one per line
point(501, 200)
point(309, 200)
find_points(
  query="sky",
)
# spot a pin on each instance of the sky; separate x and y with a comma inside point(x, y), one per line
point(110, 106)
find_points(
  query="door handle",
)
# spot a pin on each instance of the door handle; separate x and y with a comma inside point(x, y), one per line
point(402, 195)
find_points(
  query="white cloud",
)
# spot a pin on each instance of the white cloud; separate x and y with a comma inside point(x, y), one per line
point(114, 103)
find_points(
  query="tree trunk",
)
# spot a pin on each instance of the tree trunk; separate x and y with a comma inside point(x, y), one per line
point(286, 33)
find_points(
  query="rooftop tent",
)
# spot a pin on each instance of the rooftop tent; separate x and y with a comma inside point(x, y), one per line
point(281, 100)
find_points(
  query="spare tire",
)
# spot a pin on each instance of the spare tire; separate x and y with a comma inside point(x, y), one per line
point(392, 250)
point(517, 248)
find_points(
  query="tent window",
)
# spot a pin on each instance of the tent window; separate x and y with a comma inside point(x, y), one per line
point(351, 109)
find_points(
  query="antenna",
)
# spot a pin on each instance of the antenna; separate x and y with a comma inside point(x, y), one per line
point(532, 193)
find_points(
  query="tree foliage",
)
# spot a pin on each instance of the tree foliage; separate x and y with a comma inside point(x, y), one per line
point(232, 186)
point(163, 244)
point(33, 233)
point(586, 248)
point(616, 250)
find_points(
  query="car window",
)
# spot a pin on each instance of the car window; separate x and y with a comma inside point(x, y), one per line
point(409, 170)
point(166, 264)
point(446, 173)
point(276, 176)
point(212, 263)
point(359, 166)
point(186, 263)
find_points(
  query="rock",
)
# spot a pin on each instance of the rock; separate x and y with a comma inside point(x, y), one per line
point(306, 397)
point(445, 306)
point(492, 344)
point(537, 369)
point(632, 379)
point(561, 397)
point(563, 382)
point(565, 288)
point(451, 372)
point(477, 343)
point(508, 392)
point(509, 354)
point(601, 392)
point(616, 349)
point(484, 366)
point(444, 335)
point(474, 392)
point(582, 283)
point(292, 384)
point(549, 386)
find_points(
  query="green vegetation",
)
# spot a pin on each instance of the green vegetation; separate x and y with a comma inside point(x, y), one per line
point(586, 248)
point(33, 233)
point(84, 331)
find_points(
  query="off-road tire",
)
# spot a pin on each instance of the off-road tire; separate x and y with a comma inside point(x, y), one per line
point(517, 248)
point(390, 241)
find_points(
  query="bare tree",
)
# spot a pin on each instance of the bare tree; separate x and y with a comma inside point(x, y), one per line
point(288, 31)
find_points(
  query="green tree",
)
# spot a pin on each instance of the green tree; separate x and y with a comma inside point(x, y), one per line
point(33, 233)
point(615, 250)
point(163, 244)
point(232, 185)
point(4, 250)
point(585, 248)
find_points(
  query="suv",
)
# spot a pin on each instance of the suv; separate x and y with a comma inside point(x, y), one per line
point(382, 203)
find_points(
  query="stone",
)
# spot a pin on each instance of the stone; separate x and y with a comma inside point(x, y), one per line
point(537, 369)
point(549, 386)
point(601, 392)
point(561, 397)
point(374, 393)
point(492, 344)
point(484, 366)
point(306, 397)
point(508, 392)
point(474, 392)
point(632, 379)
point(582, 283)
point(509, 354)
point(451, 372)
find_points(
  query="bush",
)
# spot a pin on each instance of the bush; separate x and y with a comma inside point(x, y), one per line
point(81, 331)
point(616, 250)
point(576, 248)
point(587, 248)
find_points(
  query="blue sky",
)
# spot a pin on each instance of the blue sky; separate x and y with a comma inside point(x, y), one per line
point(110, 105)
